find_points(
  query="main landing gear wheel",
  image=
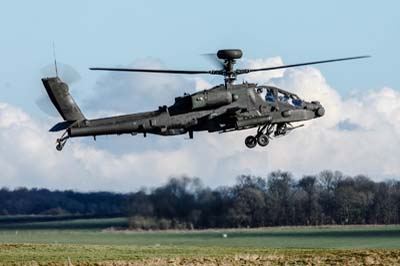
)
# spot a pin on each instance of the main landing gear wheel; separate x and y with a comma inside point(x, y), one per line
point(263, 140)
point(262, 137)
point(250, 142)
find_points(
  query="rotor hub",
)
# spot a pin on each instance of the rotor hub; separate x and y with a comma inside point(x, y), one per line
point(229, 56)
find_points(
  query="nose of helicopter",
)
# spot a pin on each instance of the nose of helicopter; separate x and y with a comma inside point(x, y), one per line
point(316, 108)
point(320, 110)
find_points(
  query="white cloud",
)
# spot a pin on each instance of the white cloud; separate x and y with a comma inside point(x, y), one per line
point(28, 157)
point(133, 92)
point(262, 77)
point(322, 145)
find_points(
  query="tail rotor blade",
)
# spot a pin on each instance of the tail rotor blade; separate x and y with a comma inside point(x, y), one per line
point(65, 72)
point(45, 105)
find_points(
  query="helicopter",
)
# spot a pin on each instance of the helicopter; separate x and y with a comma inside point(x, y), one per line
point(223, 108)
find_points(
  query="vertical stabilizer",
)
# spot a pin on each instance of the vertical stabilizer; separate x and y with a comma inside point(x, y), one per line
point(58, 92)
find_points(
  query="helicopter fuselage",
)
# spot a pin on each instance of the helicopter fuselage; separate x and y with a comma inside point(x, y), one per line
point(219, 109)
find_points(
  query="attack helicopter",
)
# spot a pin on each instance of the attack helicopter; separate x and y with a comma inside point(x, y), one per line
point(224, 108)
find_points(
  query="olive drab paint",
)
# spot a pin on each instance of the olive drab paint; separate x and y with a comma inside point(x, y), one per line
point(223, 108)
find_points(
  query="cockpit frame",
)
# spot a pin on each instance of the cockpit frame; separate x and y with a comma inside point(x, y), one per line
point(274, 95)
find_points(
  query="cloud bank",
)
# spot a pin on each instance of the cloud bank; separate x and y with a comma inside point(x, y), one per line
point(358, 134)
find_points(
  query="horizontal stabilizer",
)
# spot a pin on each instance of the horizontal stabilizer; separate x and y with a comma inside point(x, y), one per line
point(61, 126)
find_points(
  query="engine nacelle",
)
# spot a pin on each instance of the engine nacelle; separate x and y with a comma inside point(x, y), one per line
point(206, 99)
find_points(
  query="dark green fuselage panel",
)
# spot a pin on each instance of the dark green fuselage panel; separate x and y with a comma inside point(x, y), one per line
point(239, 107)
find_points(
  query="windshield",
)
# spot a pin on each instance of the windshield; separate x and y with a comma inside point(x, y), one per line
point(288, 98)
point(271, 94)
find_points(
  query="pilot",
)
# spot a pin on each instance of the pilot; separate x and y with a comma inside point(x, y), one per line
point(284, 98)
point(269, 97)
point(296, 102)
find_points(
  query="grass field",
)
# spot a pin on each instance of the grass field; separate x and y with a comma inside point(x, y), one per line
point(85, 242)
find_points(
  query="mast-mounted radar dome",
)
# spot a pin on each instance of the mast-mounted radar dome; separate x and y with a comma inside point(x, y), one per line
point(229, 54)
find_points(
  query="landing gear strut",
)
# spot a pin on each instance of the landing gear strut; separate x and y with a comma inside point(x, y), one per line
point(265, 132)
point(61, 141)
point(281, 130)
point(261, 138)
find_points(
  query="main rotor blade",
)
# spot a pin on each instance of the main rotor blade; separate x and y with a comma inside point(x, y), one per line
point(244, 71)
point(162, 71)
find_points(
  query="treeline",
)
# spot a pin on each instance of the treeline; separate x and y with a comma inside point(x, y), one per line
point(278, 200)
point(184, 203)
point(23, 201)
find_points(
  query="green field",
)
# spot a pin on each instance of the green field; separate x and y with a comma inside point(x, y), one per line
point(86, 241)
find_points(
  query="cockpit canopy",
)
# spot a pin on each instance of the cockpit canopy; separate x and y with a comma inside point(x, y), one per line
point(273, 95)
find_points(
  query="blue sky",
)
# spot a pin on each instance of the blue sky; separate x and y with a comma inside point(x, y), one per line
point(90, 33)
point(174, 34)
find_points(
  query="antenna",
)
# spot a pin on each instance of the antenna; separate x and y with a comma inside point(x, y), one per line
point(55, 59)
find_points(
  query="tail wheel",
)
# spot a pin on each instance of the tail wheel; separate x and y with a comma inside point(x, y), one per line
point(263, 140)
point(59, 147)
point(61, 141)
point(250, 142)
